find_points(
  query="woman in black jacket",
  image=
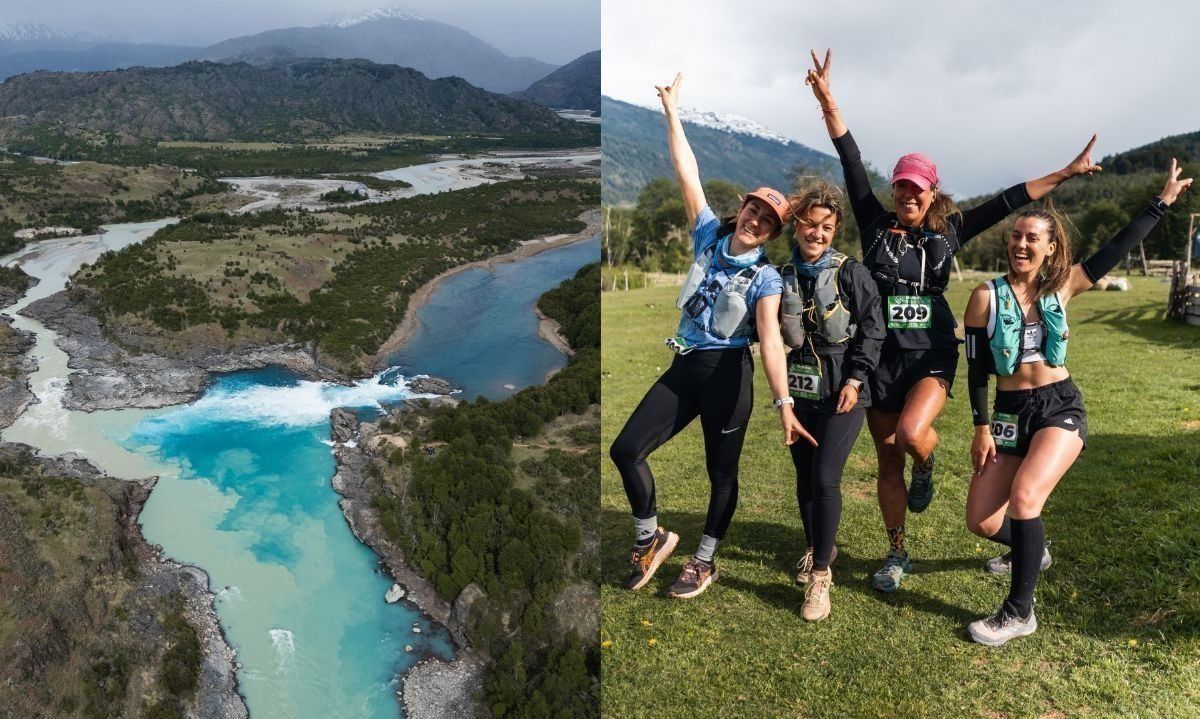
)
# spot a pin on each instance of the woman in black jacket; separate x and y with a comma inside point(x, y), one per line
point(831, 320)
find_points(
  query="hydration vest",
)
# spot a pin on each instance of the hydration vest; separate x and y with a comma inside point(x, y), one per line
point(730, 313)
point(1006, 324)
point(822, 314)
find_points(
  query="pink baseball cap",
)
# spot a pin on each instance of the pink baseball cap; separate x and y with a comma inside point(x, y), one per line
point(917, 168)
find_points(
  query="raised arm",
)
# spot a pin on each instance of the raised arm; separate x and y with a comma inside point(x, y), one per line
point(866, 206)
point(818, 79)
point(1088, 272)
point(1081, 165)
point(979, 218)
point(979, 369)
point(686, 169)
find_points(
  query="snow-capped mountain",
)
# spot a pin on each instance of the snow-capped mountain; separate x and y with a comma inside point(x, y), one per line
point(727, 146)
point(34, 32)
point(393, 13)
point(37, 37)
point(729, 122)
point(394, 37)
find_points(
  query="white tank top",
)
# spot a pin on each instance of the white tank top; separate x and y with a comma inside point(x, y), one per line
point(1031, 343)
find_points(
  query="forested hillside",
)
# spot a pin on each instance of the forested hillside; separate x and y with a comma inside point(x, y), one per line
point(521, 534)
point(213, 101)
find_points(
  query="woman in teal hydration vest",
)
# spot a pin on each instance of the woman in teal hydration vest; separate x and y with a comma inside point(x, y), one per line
point(1016, 328)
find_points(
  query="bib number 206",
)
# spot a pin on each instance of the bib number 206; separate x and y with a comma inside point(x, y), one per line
point(1005, 429)
point(907, 312)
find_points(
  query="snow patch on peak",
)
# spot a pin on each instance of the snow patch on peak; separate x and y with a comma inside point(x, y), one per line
point(39, 31)
point(729, 122)
point(387, 13)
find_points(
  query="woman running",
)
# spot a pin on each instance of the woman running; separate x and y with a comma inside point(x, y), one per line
point(909, 252)
point(1016, 328)
point(730, 292)
point(832, 321)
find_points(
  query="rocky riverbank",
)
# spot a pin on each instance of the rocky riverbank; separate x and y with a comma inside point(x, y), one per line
point(434, 688)
point(107, 376)
point(15, 362)
point(111, 605)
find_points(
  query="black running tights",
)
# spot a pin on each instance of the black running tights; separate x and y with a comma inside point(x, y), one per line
point(717, 386)
point(819, 476)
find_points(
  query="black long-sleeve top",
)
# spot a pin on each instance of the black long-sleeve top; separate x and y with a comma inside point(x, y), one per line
point(892, 252)
point(855, 359)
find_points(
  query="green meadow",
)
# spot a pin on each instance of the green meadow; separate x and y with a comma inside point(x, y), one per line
point(1118, 612)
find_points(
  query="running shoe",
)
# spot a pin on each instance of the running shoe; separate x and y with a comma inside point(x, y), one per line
point(805, 565)
point(1001, 626)
point(895, 567)
point(645, 560)
point(697, 574)
point(1002, 565)
point(920, 490)
point(816, 597)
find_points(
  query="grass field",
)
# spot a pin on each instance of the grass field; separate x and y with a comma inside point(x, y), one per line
point(1118, 613)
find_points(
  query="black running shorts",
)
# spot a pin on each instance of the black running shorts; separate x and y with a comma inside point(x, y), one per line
point(1017, 415)
point(900, 369)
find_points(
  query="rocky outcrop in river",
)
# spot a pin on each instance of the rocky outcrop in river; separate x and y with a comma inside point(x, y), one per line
point(107, 376)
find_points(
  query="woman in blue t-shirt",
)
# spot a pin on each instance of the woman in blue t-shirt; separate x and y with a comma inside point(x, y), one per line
point(731, 293)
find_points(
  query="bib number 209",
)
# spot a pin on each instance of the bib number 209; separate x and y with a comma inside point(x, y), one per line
point(1005, 430)
point(907, 312)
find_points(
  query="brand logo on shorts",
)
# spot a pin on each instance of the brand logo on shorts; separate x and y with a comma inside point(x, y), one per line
point(727, 431)
point(936, 371)
point(1068, 420)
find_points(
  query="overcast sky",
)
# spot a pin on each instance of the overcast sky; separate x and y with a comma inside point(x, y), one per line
point(995, 93)
point(555, 31)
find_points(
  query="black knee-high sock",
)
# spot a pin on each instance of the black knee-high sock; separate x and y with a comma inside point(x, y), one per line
point(1028, 543)
point(1004, 534)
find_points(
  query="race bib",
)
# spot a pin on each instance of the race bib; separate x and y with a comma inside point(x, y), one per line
point(1004, 429)
point(906, 312)
point(804, 381)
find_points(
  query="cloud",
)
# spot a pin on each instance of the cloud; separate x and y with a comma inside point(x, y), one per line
point(996, 93)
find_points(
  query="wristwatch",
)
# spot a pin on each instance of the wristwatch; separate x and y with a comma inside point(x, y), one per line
point(781, 401)
point(856, 384)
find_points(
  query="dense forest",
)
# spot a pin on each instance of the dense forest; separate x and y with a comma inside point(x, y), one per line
point(652, 235)
point(462, 520)
point(363, 262)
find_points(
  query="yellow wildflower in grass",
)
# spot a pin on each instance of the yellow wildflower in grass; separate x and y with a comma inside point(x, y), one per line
point(1132, 642)
point(606, 644)
point(647, 623)
point(652, 642)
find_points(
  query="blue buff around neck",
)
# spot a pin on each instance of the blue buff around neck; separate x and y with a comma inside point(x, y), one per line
point(743, 260)
point(811, 269)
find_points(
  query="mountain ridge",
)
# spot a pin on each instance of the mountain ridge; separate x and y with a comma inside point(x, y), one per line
point(305, 98)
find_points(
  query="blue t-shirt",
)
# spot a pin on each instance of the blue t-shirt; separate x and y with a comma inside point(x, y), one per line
point(696, 331)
